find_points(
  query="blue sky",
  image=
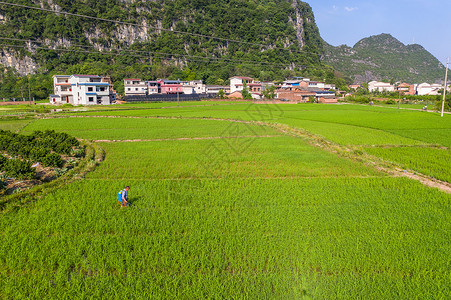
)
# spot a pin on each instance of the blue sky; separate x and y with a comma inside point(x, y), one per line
point(424, 22)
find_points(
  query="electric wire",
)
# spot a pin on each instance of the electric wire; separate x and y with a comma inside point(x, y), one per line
point(159, 53)
point(156, 28)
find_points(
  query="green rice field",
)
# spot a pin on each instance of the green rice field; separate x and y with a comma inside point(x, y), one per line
point(226, 205)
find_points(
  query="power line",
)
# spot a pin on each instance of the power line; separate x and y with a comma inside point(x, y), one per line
point(168, 55)
point(157, 28)
point(159, 53)
point(119, 54)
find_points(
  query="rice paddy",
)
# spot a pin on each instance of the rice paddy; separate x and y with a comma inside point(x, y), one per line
point(226, 209)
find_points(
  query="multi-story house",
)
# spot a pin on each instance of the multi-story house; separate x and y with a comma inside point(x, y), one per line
point(135, 87)
point(193, 87)
point(237, 83)
point(428, 89)
point(89, 90)
point(80, 90)
point(154, 87)
point(171, 87)
point(62, 90)
point(374, 86)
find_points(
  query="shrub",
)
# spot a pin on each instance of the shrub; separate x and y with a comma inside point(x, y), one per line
point(20, 169)
point(3, 185)
point(37, 154)
point(52, 160)
point(78, 152)
point(3, 161)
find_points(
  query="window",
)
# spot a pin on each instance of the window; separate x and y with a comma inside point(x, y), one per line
point(90, 89)
point(136, 89)
point(129, 89)
point(91, 99)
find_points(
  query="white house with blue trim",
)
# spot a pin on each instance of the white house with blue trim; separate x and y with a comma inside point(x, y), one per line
point(80, 90)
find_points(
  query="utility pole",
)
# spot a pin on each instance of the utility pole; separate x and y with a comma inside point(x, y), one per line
point(29, 89)
point(444, 89)
point(399, 99)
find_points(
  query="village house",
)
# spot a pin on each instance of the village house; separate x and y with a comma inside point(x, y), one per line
point(254, 88)
point(171, 87)
point(62, 90)
point(81, 90)
point(237, 83)
point(425, 89)
point(154, 87)
point(214, 89)
point(134, 87)
point(355, 86)
point(193, 87)
point(406, 89)
point(301, 94)
point(295, 94)
point(374, 86)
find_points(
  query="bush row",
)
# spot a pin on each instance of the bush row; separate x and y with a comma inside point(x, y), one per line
point(17, 168)
point(41, 146)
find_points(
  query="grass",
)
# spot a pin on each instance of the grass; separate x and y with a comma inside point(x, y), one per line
point(226, 158)
point(129, 128)
point(247, 218)
point(429, 161)
point(13, 125)
point(251, 238)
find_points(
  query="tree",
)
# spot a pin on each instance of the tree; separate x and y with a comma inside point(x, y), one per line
point(221, 94)
point(245, 92)
point(270, 92)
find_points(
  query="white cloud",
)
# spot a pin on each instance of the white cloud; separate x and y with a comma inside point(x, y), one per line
point(350, 9)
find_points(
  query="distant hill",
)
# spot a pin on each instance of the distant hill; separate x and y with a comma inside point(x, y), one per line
point(382, 57)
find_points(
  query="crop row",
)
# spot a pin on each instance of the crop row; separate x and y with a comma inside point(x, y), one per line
point(240, 238)
point(232, 158)
point(144, 128)
point(433, 162)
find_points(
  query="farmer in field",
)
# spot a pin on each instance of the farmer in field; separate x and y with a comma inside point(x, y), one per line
point(124, 197)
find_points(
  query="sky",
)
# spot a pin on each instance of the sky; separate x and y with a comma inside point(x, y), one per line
point(423, 22)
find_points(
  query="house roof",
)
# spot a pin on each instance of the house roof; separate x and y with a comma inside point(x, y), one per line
point(132, 79)
point(240, 77)
point(86, 76)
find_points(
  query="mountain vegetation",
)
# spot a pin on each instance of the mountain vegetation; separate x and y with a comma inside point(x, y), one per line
point(278, 38)
point(383, 57)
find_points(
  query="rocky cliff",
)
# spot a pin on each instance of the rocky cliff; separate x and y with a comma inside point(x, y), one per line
point(274, 23)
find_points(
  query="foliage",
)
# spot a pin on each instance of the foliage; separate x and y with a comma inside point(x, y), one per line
point(248, 21)
point(52, 160)
point(381, 57)
point(245, 92)
point(269, 92)
point(19, 169)
point(221, 94)
point(36, 147)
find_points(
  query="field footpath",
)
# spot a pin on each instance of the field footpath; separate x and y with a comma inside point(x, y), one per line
point(312, 139)
point(187, 139)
